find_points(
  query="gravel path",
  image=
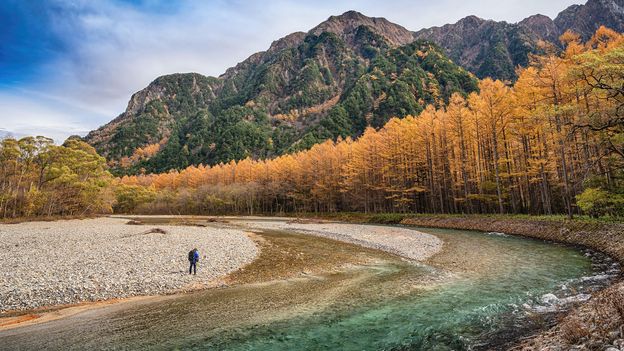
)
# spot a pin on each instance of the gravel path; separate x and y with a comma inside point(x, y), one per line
point(63, 262)
point(404, 242)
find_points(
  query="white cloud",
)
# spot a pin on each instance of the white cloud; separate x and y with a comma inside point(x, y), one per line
point(28, 114)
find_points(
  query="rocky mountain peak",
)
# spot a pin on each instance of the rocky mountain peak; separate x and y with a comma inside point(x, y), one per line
point(351, 15)
point(451, 34)
point(158, 89)
point(536, 20)
point(291, 40)
point(346, 24)
point(542, 26)
point(471, 22)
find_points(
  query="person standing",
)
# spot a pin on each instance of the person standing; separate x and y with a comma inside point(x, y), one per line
point(193, 257)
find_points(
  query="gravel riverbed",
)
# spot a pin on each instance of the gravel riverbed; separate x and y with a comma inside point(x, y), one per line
point(404, 242)
point(43, 264)
point(70, 261)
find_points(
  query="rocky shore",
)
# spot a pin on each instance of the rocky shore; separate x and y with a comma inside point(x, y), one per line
point(598, 323)
point(44, 264)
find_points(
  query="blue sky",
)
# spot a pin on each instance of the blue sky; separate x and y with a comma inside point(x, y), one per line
point(69, 66)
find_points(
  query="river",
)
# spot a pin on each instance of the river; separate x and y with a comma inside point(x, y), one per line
point(309, 293)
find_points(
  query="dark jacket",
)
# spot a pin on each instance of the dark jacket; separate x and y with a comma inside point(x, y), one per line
point(194, 258)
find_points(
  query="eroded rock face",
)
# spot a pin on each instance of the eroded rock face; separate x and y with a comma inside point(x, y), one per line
point(347, 24)
point(585, 19)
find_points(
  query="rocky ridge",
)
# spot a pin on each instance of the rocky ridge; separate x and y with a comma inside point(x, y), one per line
point(347, 73)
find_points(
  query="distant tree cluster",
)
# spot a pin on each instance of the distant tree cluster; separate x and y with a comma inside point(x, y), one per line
point(38, 178)
point(552, 143)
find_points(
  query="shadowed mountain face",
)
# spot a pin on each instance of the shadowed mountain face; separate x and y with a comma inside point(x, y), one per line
point(347, 73)
point(494, 49)
point(585, 19)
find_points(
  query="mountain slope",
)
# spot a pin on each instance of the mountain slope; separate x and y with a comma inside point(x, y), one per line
point(349, 72)
point(485, 47)
point(343, 75)
point(585, 19)
point(494, 49)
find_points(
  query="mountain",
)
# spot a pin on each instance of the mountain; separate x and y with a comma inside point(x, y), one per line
point(585, 19)
point(494, 49)
point(347, 73)
point(485, 47)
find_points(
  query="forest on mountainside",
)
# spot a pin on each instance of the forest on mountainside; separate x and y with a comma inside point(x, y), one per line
point(551, 143)
point(332, 91)
point(347, 73)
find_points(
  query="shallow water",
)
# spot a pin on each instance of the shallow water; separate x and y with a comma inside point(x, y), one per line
point(480, 291)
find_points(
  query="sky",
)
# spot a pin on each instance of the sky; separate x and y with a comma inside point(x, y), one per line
point(70, 66)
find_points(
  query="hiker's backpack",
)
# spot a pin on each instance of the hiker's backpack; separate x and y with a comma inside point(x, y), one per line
point(191, 255)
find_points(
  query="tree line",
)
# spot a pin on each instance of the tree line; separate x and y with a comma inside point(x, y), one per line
point(551, 143)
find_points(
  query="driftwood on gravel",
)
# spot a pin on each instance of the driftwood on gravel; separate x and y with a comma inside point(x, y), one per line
point(150, 231)
point(192, 224)
point(306, 221)
point(217, 220)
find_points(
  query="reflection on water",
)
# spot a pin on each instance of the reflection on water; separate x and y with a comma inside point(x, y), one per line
point(478, 288)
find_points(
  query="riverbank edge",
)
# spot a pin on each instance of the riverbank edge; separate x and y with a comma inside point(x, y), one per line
point(598, 322)
point(579, 325)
